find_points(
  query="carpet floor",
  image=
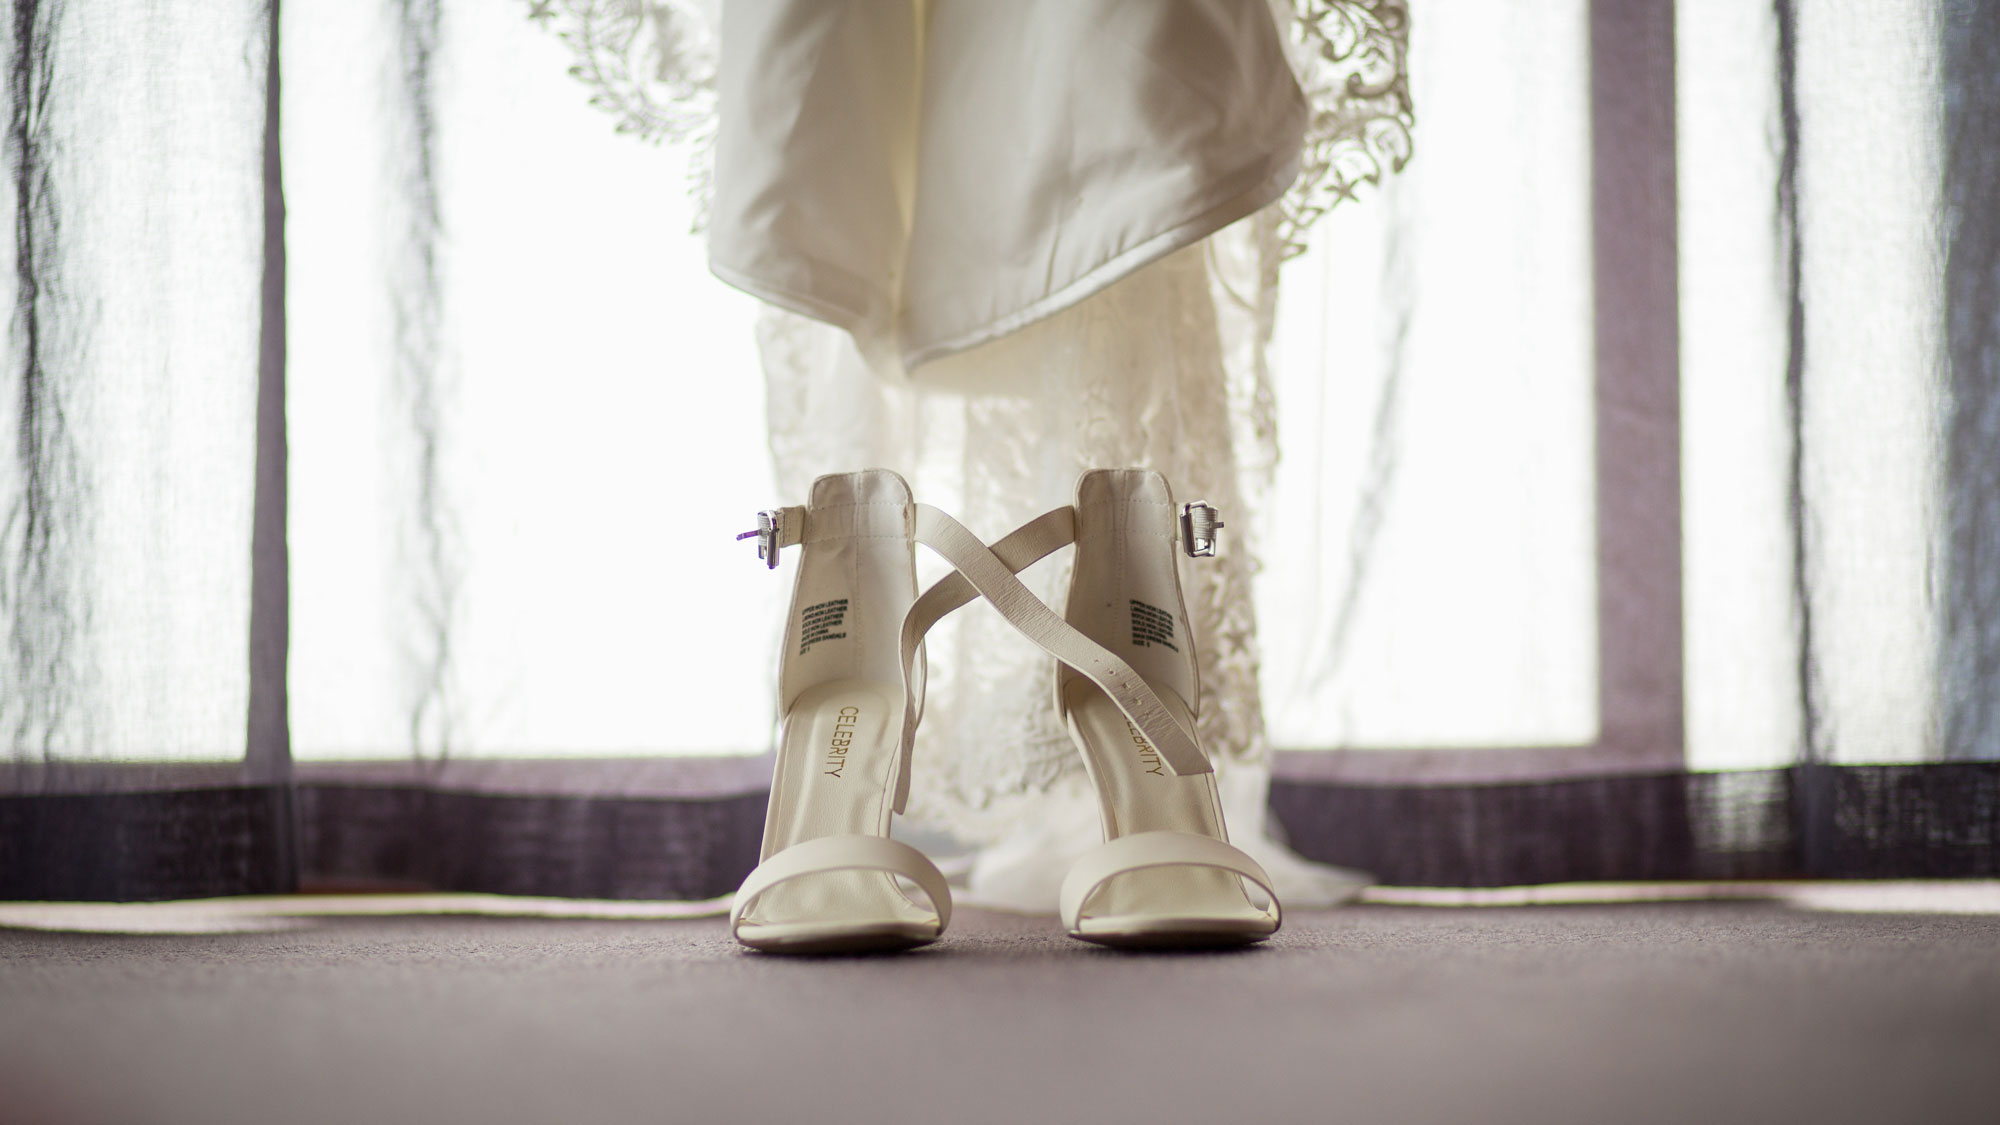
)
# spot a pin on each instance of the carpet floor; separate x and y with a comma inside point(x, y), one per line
point(1662, 1012)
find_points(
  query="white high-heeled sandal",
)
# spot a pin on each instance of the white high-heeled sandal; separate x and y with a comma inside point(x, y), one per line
point(1166, 874)
point(1127, 687)
point(827, 877)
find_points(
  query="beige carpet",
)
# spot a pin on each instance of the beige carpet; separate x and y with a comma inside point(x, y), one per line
point(1660, 1012)
point(263, 913)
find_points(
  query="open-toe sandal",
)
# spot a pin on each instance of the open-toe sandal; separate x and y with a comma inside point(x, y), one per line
point(1166, 874)
point(1127, 688)
point(830, 880)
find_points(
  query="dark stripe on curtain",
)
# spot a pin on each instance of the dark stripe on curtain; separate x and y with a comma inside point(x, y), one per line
point(1935, 820)
point(1969, 666)
point(1814, 821)
point(1635, 259)
point(357, 837)
point(130, 847)
point(267, 736)
point(198, 842)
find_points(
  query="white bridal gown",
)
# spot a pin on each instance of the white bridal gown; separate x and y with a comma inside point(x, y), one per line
point(993, 239)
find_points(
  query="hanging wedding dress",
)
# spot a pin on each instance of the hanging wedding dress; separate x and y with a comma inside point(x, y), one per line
point(1017, 261)
point(931, 175)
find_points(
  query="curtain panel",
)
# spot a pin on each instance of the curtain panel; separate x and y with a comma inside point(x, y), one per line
point(1782, 317)
point(142, 587)
point(379, 441)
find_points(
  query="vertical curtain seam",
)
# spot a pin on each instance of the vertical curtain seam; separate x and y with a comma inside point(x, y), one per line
point(1789, 239)
point(34, 594)
point(1811, 782)
point(417, 334)
point(267, 750)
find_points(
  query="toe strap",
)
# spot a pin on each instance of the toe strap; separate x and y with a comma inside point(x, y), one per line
point(1143, 850)
point(844, 853)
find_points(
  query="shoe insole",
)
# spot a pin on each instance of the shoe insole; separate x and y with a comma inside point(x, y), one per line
point(1140, 794)
point(835, 777)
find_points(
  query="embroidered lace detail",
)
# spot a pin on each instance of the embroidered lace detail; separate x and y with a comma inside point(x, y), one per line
point(651, 65)
point(1351, 58)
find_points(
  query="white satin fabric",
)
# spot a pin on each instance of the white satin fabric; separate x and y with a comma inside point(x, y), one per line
point(932, 174)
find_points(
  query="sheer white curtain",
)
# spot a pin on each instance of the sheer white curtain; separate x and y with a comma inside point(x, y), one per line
point(1438, 347)
point(1416, 455)
point(526, 424)
point(129, 394)
point(1867, 422)
point(1430, 575)
point(1483, 530)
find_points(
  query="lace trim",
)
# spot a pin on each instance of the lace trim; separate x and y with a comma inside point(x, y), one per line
point(1351, 58)
point(651, 65)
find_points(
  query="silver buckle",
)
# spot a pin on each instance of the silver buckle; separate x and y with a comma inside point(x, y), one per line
point(767, 538)
point(1199, 523)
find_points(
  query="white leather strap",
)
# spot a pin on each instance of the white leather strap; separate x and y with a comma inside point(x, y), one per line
point(1022, 609)
point(844, 853)
point(989, 572)
point(1017, 551)
point(798, 524)
point(1143, 850)
point(1020, 549)
point(791, 525)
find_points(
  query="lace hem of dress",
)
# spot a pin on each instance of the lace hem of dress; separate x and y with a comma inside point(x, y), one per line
point(651, 65)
